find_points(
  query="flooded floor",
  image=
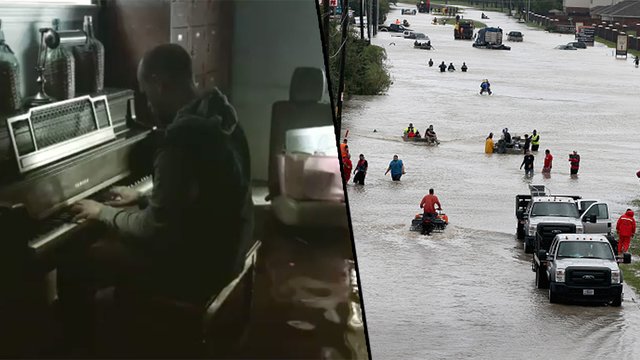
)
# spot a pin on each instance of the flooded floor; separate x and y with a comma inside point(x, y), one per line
point(307, 304)
point(469, 292)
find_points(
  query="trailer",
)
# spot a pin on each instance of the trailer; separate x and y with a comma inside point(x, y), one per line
point(490, 38)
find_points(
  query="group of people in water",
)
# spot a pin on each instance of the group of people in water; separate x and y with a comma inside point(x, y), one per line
point(404, 22)
point(411, 132)
point(396, 166)
point(430, 203)
point(362, 165)
point(531, 144)
point(451, 68)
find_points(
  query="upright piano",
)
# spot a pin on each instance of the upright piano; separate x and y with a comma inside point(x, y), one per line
point(53, 155)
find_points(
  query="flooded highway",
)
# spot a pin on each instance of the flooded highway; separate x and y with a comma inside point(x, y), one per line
point(469, 292)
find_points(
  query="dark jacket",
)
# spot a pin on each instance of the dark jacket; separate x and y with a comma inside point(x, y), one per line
point(527, 162)
point(575, 161)
point(507, 137)
point(199, 220)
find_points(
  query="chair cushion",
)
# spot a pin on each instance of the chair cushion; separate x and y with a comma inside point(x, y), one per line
point(310, 213)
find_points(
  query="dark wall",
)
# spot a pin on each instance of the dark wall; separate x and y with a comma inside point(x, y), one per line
point(21, 22)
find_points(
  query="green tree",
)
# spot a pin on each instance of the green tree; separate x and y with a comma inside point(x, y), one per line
point(365, 69)
point(543, 6)
point(384, 10)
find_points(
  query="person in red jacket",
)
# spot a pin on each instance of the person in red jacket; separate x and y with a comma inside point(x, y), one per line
point(548, 159)
point(626, 228)
point(348, 166)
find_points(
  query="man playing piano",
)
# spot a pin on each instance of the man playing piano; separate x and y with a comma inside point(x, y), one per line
point(187, 239)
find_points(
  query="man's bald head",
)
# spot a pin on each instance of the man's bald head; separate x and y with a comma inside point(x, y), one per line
point(165, 76)
point(168, 61)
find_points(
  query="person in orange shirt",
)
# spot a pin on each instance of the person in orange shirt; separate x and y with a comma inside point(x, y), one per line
point(428, 205)
point(344, 149)
point(348, 167)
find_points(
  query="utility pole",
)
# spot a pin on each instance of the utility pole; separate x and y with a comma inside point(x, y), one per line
point(362, 19)
point(343, 57)
point(326, 17)
point(368, 5)
point(528, 9)
point(376, 16)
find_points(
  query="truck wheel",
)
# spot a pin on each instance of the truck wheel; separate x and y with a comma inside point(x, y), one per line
point(617, 301)
point(541, 279)
point(527, 249)
point(552, 297)
point(520, 231)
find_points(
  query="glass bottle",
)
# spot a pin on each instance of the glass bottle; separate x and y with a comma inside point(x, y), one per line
point(89, 62)
point(59, 71)
point(10, 97)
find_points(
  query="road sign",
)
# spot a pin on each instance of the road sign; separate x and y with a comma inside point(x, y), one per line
point(586, 34)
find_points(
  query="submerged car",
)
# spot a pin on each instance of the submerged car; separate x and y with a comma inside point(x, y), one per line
point(578, 45)
point(393, 28)
point(409, 11)
point(514, 36)
point(415, 35)
point(565, 47)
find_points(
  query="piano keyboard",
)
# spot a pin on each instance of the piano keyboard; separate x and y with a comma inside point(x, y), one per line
point(59, 227)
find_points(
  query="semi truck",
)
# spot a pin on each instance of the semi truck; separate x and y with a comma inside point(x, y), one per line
point(490, 38)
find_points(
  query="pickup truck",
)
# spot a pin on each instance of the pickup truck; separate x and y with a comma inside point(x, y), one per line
point(580, 267)
point(541, 216)
point(393, 28)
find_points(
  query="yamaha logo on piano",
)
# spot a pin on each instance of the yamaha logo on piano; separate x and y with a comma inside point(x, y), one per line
point(81, 183)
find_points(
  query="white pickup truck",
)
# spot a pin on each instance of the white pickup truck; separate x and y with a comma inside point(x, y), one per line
point(541, 216)
point(580, 267)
